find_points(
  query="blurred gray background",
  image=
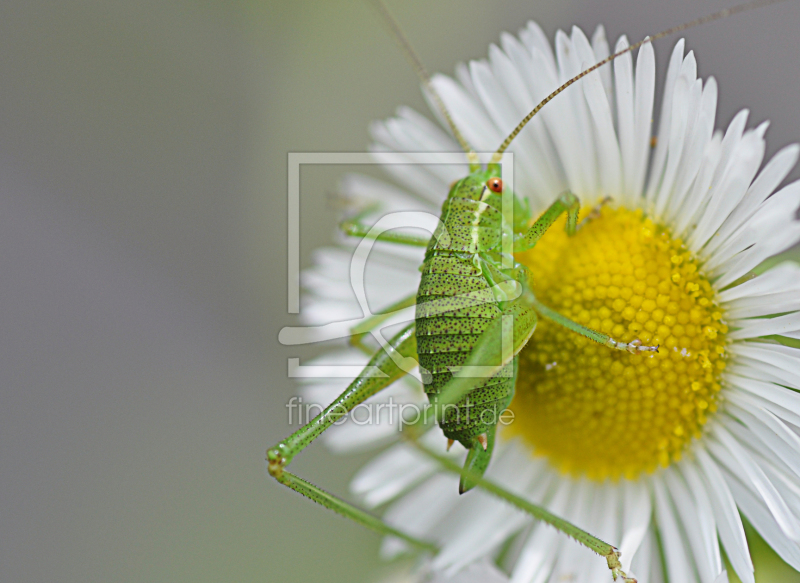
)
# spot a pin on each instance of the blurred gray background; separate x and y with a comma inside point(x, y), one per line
point(143, 150)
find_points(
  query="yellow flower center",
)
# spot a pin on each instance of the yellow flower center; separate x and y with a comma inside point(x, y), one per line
point(605, 413)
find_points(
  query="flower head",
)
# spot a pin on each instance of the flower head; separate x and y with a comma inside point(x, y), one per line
point(658, 453)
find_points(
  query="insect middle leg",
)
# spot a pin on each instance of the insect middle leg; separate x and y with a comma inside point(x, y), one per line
point(369, 324)
point(634, 347)
point(380, 372)
point(355, 227)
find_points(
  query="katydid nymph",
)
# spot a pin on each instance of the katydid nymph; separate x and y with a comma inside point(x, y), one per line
point(475, 311)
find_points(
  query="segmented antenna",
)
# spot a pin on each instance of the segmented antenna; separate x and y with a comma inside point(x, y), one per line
point(703, 20)
point(422, 73)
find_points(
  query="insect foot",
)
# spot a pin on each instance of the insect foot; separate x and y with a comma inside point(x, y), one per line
point(450, 443)
point(634, 346)
point(616, 567)
point(483, 440)
point(275, 462)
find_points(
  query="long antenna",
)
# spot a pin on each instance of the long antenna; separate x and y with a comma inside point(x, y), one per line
point(422, 73)
point(703, 20)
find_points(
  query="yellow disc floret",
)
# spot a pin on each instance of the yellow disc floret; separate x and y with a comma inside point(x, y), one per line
point(605, 413)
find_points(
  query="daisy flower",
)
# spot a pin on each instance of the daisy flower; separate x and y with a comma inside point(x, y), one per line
point(660, 454)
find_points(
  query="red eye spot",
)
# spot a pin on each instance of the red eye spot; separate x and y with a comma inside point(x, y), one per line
point(495, 185)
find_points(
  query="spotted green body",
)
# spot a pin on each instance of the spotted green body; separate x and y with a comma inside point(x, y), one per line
point(457, 280)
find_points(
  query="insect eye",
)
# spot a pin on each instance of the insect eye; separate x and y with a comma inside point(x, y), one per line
point(495, 185)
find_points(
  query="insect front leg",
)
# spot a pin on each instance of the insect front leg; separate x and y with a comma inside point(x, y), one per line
point(566, 202)
point(380, 372)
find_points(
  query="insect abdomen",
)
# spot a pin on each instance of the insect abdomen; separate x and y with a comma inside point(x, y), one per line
point(455, 305)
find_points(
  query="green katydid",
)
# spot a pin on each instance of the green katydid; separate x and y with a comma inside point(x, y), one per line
point(474, 313)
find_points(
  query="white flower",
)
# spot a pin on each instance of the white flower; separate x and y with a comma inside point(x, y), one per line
point(655, 454)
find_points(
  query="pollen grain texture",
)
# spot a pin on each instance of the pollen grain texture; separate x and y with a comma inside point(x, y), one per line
point(604, 413)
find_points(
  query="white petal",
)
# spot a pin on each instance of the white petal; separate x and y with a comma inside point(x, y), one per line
point(540, 551)
point(766, 428)
point(572, 559)
point(660, 156)
point(575, 142)
point(534, 38)
point(783, 362)
point(766, 326)
point(691, 518)
point(623, 79)
point(759, 516)
point(732, 454)
point(730, 188)
point(647, 564)
point(777, 213)
point(785, 404)
point(685, 102)
point(729, 525)
point(478, 130)
point(603, 121)
point(644, 92)
point(679, 567)
point(480, 572)
point(767, 181)
point(506, 115)
point(781, 277)
point(485, 521)
point(698, 193)
point(546, 157)
point(707, 526)
point(421, 512)
point(390, 474)
point(601, 51)
point(702, 129)
point(637, 510)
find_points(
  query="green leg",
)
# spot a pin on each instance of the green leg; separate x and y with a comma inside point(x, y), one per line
point(633, 347)
point(565, 203)
point(354, 227)
point(569, 203)
point(605, 550)
point(373, 322)
point(363, 387)
point(501, 342)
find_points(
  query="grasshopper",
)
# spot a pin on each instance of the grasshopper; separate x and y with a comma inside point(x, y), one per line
point(475, 312)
